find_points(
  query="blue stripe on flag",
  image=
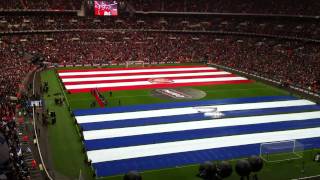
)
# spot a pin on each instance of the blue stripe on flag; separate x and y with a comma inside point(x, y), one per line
point(193, 117)
point(197, 134)
point(180, 159)
point(180, 104)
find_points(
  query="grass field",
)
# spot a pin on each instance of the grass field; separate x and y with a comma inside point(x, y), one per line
point(66, 146)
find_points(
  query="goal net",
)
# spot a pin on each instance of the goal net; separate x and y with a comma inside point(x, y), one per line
point(281, 151)
point(134, 64)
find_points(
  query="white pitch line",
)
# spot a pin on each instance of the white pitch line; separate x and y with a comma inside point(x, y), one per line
point(139, 83)
point(135, 71)
point(130, 152)
point(183, 126)
point(144, 76)
point(187, 110)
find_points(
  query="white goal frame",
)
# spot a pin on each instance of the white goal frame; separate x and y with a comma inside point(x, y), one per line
point(298, 156)
point(128, 63)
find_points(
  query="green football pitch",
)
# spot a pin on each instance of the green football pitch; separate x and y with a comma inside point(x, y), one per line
point(66, 146)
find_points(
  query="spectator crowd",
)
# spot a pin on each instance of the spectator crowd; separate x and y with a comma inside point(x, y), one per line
point(142, 38)
point(43, 4)
point(16, 168)
point(13, 69)
point(302, 28)
point(293, 7)
point(285, 60)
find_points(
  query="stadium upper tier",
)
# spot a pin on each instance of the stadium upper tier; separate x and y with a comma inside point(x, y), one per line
point(292, 27)
point(293, 7)
point(41, 4)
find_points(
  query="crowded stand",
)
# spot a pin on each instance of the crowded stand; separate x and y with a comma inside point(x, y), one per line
point(43, 4)
point(292, 7)
point(284, 27)
point(14, 68)
point(287, 61)
point(150, 38)
point(15, 168)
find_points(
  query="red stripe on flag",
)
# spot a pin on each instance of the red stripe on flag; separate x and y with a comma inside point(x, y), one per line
point(137, 73)
point(116, 69)
point(146, 79)
point(160, 86)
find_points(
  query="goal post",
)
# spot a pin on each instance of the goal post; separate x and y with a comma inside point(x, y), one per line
point(134, 64)
point(281, 151)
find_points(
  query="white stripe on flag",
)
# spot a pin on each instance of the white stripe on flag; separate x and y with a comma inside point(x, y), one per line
point(144, 76)
point(183, 126)
point(139, 83)
point(187, 110)
point(114, 154)
point(134, 71)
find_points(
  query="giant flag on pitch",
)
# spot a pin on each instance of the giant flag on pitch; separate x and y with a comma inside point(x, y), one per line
point(111, 79)
point(145, 137)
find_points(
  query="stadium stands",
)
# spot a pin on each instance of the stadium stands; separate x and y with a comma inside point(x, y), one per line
point(16, 167)
point(291, 62)
point(230, 6)
point(45, 4)
point(222, 6)
point(286, 61)
point(13, 70)
point(285, 27)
